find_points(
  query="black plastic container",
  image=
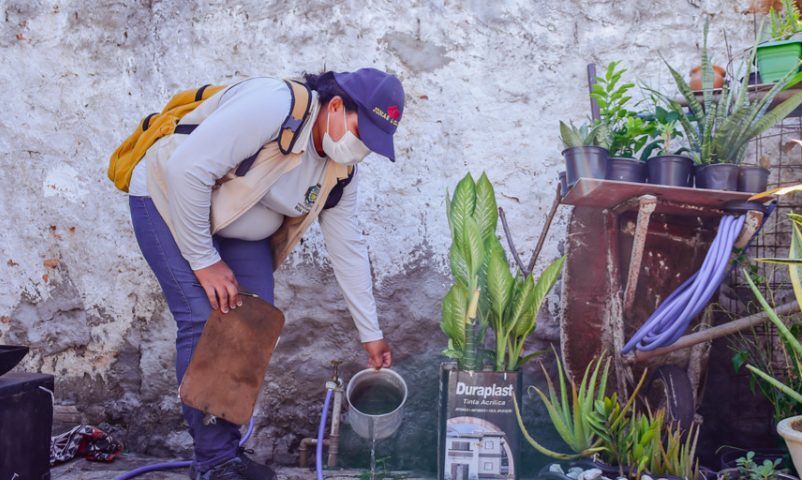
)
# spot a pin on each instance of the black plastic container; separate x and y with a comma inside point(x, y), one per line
point(718, 176)
point(585, 162)
point(624, 169)
point(10, 356)
point(673, 170)
point(26, 416)
point(753, 179)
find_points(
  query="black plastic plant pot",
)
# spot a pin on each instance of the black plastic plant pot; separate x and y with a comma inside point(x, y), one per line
point(729, 458)
point(585, 162)
point(718, 176)
point(624, 169)
point(673, 170)
point(753, 179)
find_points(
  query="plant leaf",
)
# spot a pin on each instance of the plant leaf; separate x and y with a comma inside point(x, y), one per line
point(486, 211)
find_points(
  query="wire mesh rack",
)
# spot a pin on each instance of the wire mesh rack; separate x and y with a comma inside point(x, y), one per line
point(777, 151)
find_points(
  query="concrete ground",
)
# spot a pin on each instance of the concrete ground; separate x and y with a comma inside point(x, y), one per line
point(80, 469)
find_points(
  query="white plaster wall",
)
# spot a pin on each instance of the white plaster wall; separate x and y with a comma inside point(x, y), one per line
point(486, 84)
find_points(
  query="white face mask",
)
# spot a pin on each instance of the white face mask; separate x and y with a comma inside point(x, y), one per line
point(348, 150)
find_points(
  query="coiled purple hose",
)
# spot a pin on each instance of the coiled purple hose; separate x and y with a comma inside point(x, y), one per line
point(172, 465)
point(669, 322)
point(320, 432)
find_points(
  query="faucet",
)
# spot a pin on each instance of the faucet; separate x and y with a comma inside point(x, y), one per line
point(335, 383)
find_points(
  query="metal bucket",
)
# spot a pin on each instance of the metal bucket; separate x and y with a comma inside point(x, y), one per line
point(376, 401)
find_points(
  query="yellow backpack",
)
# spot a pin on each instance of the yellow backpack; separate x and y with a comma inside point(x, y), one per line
point(158, 125)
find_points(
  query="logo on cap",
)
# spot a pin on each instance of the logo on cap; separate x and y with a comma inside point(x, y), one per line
point(394, 112)
point(388, 115)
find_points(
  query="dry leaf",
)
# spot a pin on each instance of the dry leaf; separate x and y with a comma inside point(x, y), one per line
point(51, 263)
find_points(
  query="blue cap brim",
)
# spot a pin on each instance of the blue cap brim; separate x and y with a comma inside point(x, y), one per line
point(376, 139)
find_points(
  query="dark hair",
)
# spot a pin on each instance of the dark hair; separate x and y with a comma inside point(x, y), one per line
point(327, 88)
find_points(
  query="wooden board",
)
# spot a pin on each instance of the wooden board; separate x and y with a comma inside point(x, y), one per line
point(591, 192)
point(228, 366)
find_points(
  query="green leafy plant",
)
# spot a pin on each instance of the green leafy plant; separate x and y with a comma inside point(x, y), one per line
point(472, 218)
point(749, 469)
point(664, 134)
point(721, 125)
point(626, 133)
point(513, 307)
point(485, 293)
point(785, 23)
point(587, 134)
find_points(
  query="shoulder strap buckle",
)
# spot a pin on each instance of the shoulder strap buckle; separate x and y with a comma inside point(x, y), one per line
point(300, 106)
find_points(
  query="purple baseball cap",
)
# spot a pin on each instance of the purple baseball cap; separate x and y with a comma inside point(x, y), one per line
point(380, 98)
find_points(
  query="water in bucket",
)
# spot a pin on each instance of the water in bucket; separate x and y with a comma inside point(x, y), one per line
point(376, 399)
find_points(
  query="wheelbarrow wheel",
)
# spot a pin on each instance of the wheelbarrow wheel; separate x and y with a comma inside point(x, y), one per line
point(669, 388)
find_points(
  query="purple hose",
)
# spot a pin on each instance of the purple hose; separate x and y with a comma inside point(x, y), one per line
point(669, 322)
point(172, 465)
point(320, 432)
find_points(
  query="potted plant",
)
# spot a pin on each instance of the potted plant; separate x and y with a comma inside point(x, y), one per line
point(781, 53)
point(754, 178)
point(620, 441)
point(584, 153)
point(626, 132)
point(747, 468)
point(669, 166)
point(721, 125)
point(479, 389)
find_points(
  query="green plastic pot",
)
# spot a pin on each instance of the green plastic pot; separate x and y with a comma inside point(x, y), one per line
point(776, 59)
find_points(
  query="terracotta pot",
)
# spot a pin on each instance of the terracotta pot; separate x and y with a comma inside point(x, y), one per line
point(696, 77)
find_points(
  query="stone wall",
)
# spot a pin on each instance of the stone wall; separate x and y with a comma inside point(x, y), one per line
point(486, 83)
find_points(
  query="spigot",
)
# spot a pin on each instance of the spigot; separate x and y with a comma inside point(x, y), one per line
point(335, 382)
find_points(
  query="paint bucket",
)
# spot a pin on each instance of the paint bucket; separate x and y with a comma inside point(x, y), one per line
point(376, 401)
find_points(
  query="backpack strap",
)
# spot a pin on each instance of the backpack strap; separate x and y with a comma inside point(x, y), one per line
point(337, 192)
point(300, 106)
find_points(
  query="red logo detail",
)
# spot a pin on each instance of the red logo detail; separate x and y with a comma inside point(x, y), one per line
point(393, 112)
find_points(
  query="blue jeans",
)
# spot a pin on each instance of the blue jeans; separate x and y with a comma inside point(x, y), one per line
point(252, 264)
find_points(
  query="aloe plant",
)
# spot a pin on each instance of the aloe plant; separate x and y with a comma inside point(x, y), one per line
point(678, 452)
point(721, 126)
point(587, 134)
point(485, 293)
point(790, 340)
point(571, 414)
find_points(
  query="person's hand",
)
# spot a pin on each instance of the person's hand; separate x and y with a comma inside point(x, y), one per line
point(379, 355)
point(219, 283)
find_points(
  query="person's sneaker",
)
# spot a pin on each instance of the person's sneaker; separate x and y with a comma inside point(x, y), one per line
point(238, 468)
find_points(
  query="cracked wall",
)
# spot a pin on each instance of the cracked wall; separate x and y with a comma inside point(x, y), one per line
point(486, 83)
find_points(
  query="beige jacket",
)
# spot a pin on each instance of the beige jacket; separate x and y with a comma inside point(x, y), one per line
point(235, 195)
